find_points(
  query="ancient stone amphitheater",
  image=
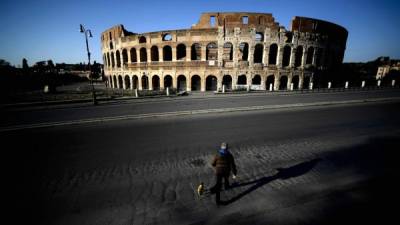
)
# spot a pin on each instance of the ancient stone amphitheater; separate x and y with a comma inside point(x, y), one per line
point(224, 51)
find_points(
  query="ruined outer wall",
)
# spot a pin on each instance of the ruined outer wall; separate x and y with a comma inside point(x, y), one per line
point(238, 49)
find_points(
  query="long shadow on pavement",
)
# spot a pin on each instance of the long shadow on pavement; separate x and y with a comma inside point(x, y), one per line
point(283, 173)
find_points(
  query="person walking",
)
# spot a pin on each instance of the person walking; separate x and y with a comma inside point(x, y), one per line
point(223, 163)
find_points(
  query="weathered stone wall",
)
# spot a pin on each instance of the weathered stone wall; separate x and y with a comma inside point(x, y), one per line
point(238, 50)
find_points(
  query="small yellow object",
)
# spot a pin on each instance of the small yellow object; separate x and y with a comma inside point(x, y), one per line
point(200, 189)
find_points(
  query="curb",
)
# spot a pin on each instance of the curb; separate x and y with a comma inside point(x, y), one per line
point(194, 112)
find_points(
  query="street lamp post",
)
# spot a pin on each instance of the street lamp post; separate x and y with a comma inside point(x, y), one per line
point(86, 31)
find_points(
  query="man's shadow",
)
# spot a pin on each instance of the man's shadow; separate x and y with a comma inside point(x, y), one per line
point(283, 173)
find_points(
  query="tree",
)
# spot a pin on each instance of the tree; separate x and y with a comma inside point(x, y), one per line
point(25, 65)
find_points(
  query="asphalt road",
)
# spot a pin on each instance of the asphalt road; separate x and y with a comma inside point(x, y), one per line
point(20, 116)
point(314, 165)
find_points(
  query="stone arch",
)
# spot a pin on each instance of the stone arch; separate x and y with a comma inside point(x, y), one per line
point(167, 53)
point(286, 56)
point(145, 82)
point(270, 80)
point(154, 53)
point(242, 80)
point(142, 39)
point(259, 36)
point(120, 82)
point(256, 80)
point(296, 81)
point(127, 81)
point(135, 82)
point(211, 83)
point(115, 81)
point(212, 51)
point(181, 52)
point(273, 53)
point(298, 56)
point(196, 51)
point(143, 55)
point(283, 82)
point(228, 51)
point(118, 56)
point(133, 55)
point(167, 37)
point(181, 82)
point(155, 80)
point(108, 60)
point(196, 83)
point(244, 50)
point(258, 53)
point(112, 60)
point(310, 55)
point(168, 81)
point(124, 56)
point(227, 81)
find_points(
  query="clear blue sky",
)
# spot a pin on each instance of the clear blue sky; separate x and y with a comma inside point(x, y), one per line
point(45, 29)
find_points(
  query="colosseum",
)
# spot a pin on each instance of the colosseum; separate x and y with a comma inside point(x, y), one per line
point(224, 51)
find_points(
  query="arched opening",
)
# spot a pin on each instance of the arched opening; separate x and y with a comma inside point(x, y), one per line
point(212, 51)
point(227, 81)
point(167, 53)
point(273, 52)
point(310, 55)
point(228, 51)
point(181, 52)
point(124, 57)
point(242, 80)
point(196, 83)
point(143, 55)
point(181, 83)
point(256, 80)
point(155, 80)
point(244, 50)
point(168, 81)
point(142, 39)
point(108, 59)
point(115, 82)
point(133, 55)
point(154, 54)
point(196, 51)
point(120, 82)
point(118, 56)
point(283, 83)
point(145, 82)
point(211, 83)
point(299, 56)
point(112, 60)
point(167, 37)
point(127, 82)
point(258, 53)
point(306, 83)
point(135, 82)
point(111, 81)
point(111, 45)
point(259, 36)
point(270, 81)
point(295, 81)
point(286, 55)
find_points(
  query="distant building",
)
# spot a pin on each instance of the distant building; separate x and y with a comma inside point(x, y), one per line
point(235, 50)
point(384, 70)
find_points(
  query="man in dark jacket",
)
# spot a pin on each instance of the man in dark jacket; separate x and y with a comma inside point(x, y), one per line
point(223, 163)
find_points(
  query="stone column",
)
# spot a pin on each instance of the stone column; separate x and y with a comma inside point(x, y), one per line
point(188, 83)
point(219, 82)
point(314, 61)
point(174, 81)
point(266, 55)
point(203, 52)
point(138, 55)
point(148, 52)
point(203, 82)
point(123, 83)
point(277, 82)
point(131, 79)
point(150, 82)
point(250, 57)
point(188, 56)
point(263, 80)
point(173, 54)
point(140, 82)
point(160, 55)
point(303, 60)
point(289, 81)
point(292, 57)
point(129, 56)
point(162, 81)
point(235, 54)
point(280, 56)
